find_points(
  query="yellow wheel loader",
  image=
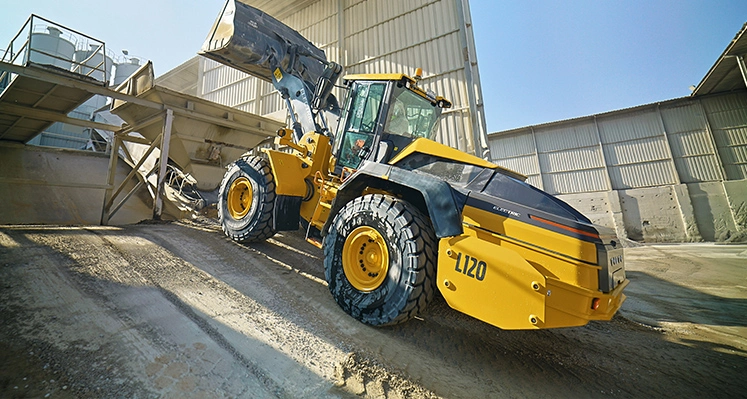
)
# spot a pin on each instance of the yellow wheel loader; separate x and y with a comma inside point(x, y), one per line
point(399, 216)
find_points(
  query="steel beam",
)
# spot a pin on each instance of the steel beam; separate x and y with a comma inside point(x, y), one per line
point(742, 68)
point(55, 78)
point(36, 182)
point(132, 172)
point(52, 116)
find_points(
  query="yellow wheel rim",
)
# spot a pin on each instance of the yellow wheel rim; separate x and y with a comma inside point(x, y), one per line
point(239, 198)
point(365, 258)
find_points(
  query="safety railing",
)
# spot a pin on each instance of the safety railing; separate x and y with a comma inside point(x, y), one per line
point(44, 42)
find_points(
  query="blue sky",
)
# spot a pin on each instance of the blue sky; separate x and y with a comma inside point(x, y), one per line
point(540, 61)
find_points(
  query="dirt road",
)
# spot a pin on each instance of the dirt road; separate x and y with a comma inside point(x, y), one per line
point(178, 310)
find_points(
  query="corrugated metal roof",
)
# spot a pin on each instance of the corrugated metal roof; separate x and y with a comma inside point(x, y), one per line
point(183, 78)
point(728, 120)
point(687, 140)
point(526, 165)
point(583, 181)
point(724, 75)
point(630, 152)
point(520, 143)
point(566, 137)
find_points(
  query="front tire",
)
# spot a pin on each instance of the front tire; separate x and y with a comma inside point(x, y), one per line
point(379, 260)
point(246, 200)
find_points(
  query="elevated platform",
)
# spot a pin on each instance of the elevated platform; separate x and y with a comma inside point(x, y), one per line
point(31, 103)
point(164, 136)
point(47, 71)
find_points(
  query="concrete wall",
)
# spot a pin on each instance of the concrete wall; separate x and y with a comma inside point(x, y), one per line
point(601, 208)
point(710, 211)
point(54, 186)
point(736, 195)
point(653, 214)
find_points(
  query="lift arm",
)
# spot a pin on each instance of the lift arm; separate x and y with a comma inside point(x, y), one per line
point(256, 43)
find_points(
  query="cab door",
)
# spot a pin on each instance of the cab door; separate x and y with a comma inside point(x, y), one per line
point(362, 119)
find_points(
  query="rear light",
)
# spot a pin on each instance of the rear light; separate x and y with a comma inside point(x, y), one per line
point(595, 304)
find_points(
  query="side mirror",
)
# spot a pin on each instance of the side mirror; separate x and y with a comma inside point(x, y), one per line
point(325, 84)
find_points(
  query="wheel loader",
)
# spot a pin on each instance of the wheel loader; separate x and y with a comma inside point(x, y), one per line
point(397, 215)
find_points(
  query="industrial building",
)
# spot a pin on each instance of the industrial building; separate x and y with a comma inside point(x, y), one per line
point(672, 171)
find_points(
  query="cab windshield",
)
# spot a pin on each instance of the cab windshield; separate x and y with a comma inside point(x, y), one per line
point(411, 115)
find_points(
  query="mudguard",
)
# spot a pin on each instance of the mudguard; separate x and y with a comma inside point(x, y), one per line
point(444, 204)
point(289, 172)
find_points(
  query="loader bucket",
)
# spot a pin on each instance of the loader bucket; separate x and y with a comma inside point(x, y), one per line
point(253, 42)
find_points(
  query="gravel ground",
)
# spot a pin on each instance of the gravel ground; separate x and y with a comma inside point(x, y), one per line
point(178, 310)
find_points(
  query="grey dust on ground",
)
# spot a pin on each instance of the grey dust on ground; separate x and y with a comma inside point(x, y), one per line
point(178, 310)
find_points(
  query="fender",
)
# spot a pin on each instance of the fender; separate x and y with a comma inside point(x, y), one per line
point(289, 172)
point(443, 203)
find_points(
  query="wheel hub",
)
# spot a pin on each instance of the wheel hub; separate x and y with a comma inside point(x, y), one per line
point(365, 258)
point(239, 198)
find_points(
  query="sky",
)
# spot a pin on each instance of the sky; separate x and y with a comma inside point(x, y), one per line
point(540, 60)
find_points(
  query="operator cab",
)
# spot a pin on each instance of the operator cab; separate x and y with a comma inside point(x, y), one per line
point(382, 115)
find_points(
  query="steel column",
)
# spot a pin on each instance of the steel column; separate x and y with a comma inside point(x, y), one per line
point(677, 176)
point(537, 158)
point(477, 117)
point(162, 163)
point(604, 157)
point(113, 157)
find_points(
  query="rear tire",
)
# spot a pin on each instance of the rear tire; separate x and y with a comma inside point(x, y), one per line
point(246, 200)
point(380, 260)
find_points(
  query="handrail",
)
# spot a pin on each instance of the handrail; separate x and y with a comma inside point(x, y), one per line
point(68, 29)
point(28, 49)
point(84, 63)
point(16, 37)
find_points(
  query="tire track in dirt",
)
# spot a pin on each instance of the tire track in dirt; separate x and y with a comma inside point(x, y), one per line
point(97, 269)
point(296, 294)
point(268, 300)
point(459, 377)
point(204, 300)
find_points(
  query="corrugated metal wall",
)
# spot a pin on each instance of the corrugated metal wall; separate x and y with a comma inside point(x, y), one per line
point(727, 116)
point(375, 36)
point(687, 140)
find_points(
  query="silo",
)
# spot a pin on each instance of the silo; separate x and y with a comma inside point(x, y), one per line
point(96, 58)
point(125, 69)
point(58, 51)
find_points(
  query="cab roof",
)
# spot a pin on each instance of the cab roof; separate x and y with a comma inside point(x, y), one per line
point(413, 85)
